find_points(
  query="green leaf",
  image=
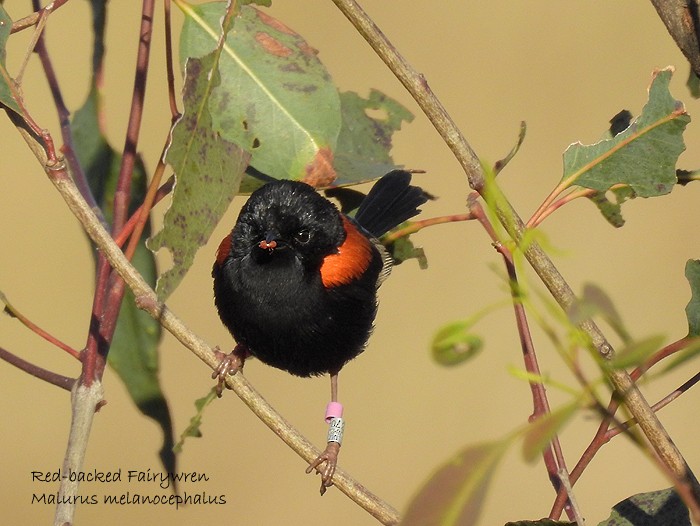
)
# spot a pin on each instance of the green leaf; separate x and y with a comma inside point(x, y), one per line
point(134, 350)
point(208, 171)
point(650, 509)
point(612, 210)
point(692, 310)
point(455, 493)
point(275, 99)
point(8, 89)
point(540, 433)
point(192, 430)
point(403, 249)
point(454, 343)
point(365, 140)
point(643, 156)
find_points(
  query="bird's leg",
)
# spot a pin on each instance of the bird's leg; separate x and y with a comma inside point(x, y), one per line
point(230, 363)
point(336, 425)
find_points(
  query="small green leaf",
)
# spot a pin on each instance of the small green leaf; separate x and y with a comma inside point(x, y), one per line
point(455, 493)
point(454, 343)
point(208, 172)
point(612, 210)
point(540, 433)
point(643, 156)
point(692, 310)
point(636, 353)
point(403, 249)
point(650, 509)
point(275, 98)
point(193, 429)
point(8, 89)
point(365, 140)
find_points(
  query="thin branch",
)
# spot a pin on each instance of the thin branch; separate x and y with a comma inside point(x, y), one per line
point(172, 98)
point(43, 374)
point(415, 226)
point(122, 194)
point(538, 259)
point(29, 324)
point(33, 19)
point(68, 147)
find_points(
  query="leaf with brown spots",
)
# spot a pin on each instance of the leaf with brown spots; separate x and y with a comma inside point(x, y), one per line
point(275, 99)
point(208, 170)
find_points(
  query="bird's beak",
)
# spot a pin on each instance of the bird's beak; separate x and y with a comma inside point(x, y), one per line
point(270, 241)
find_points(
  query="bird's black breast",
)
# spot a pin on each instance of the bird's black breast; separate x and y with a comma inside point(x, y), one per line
point(281, 311)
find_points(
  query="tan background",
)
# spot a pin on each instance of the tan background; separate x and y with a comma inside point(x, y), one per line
point(565, 68)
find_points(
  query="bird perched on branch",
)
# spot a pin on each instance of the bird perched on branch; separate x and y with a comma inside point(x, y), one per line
point(295, 282)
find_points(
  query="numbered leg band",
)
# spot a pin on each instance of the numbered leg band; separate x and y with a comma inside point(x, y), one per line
point(335, 430)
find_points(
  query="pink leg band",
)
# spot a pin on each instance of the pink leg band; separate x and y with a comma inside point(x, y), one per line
point(334, 410)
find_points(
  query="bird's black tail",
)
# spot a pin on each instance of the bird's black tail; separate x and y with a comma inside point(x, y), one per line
point(391, 201)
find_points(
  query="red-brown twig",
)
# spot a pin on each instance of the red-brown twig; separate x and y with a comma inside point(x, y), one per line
point(53, 378)
point(552, 455)
point(36, 329)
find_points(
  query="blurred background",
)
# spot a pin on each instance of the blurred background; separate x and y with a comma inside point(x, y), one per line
point(565, 68)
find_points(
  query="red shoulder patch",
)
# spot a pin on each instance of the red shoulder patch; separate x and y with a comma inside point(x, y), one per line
point(224, 250)
point(351, 260)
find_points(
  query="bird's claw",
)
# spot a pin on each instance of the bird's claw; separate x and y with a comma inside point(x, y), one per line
point(229, 364)
point(330, 458)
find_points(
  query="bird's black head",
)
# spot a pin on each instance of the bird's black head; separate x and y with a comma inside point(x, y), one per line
point(286, 219)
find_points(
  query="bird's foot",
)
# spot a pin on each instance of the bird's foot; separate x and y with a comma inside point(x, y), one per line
point(329, 457)
point(229, 364)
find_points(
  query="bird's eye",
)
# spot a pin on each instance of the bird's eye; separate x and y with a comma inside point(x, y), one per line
point(303, 236)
